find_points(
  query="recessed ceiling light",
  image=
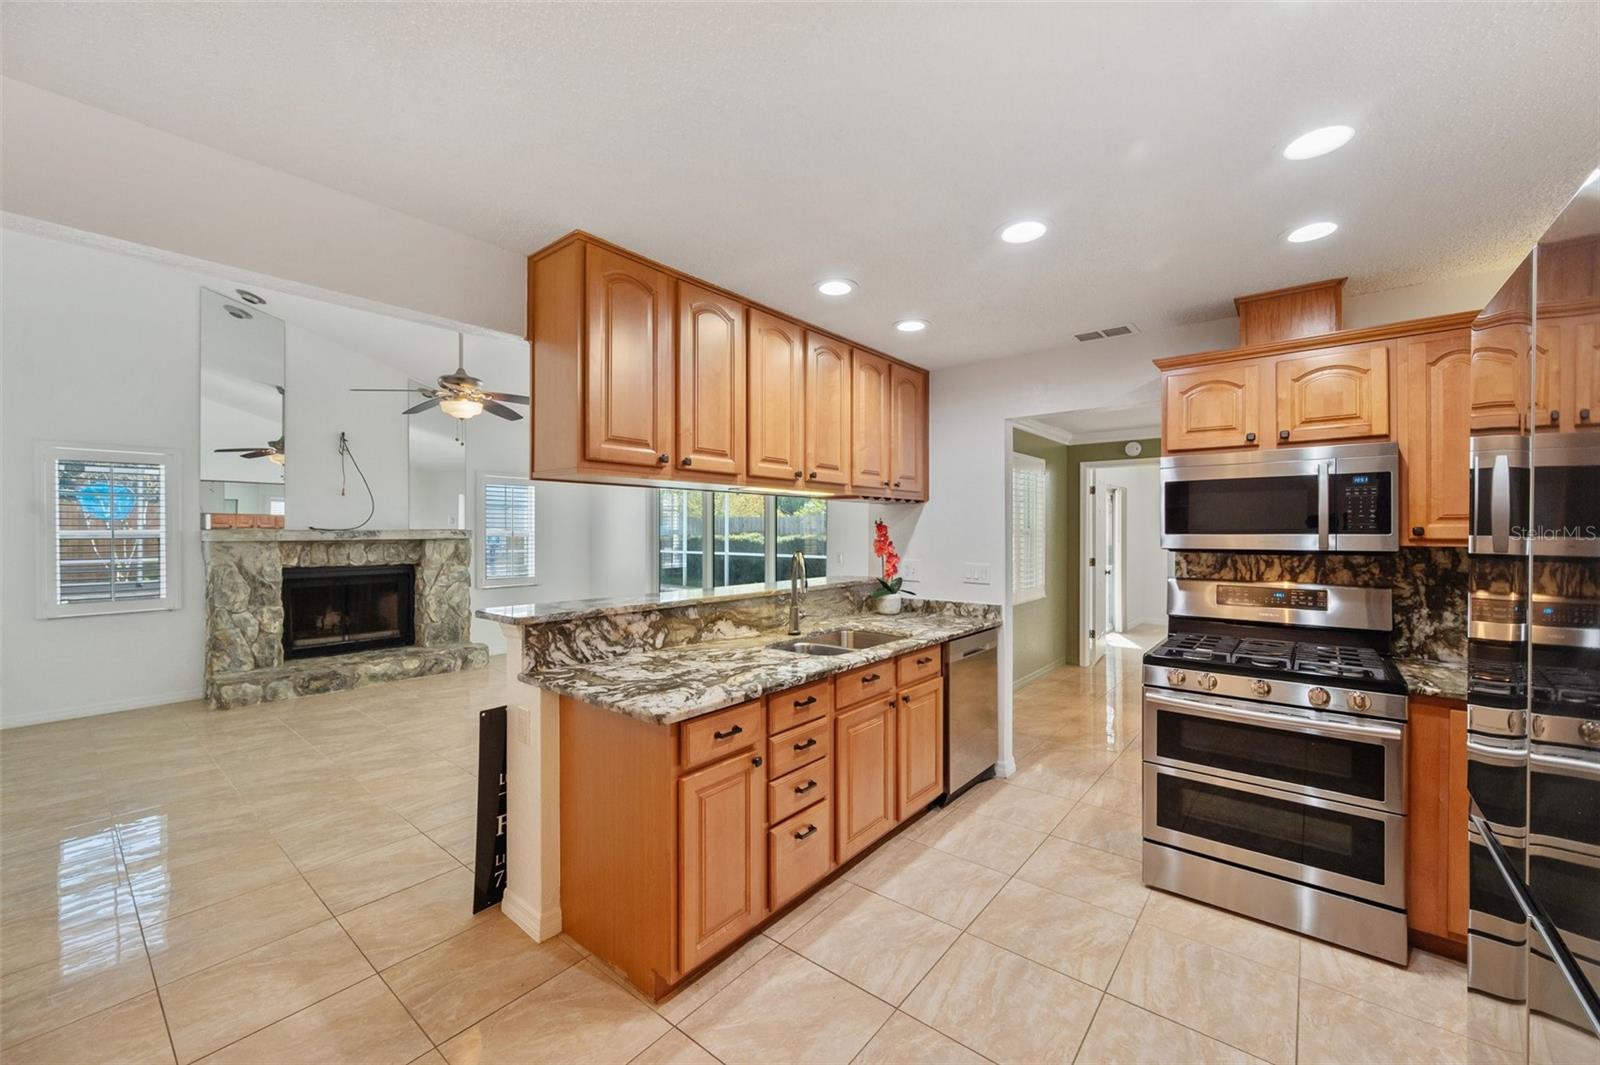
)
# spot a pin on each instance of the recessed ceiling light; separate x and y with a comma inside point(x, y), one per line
point(237, 312)
point(836, 286)
point(1311, 231)
point(911, 325)
point(1022, 232)
point(250, 297)
point(1318, 142)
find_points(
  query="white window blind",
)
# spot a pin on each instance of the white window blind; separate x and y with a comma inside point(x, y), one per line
point(1029, 518)
point(108, 516)
point(507, 524)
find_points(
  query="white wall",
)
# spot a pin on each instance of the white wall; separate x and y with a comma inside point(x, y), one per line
point(1144, 564)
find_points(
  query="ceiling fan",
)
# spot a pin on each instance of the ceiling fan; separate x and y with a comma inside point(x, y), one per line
point(272, 451)
point(459, 394)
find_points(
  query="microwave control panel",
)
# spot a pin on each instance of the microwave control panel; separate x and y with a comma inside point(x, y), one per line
point(1266, 595)
point(1361, 503)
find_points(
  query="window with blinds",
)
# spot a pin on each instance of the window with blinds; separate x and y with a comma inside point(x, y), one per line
point(506, 521)
point(109, 519)
point(1030, 483)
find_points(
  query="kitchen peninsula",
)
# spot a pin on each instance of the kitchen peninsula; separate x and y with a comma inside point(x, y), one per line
point(676, 776)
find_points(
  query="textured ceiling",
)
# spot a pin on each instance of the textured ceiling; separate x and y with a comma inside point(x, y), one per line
point(769, 145)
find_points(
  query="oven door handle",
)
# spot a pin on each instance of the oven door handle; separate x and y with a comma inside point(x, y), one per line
point(1391, 733)
point(1563, 765)
point(1512, 751)
point(1322, 505)
point(1500, 504)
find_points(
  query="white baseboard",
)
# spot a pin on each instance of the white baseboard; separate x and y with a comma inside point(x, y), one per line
point(1006, 768)
point(12, 719)
point(539, 925)
point(1036, 674)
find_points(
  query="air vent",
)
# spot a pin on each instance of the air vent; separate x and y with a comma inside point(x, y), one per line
point(1090, 336)
point(1101, 334)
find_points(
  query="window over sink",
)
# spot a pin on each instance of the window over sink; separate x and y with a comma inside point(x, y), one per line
point(710, 540)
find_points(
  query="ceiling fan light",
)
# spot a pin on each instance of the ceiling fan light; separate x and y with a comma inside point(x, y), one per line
point(462, 407)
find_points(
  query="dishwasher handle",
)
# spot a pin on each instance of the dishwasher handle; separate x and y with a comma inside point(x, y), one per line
point(976, 644)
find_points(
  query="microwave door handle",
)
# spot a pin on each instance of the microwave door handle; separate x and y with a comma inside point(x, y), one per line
point(1500, 504)
point(1322, 505)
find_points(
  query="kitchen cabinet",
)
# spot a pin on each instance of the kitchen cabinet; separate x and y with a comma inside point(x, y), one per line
point(1336, 394)
point(776, 413)
point(1211, 407)
point(1433, 427)
point(722, 871)
point(628, 362)
point(1499, 379)
point(865, 766)
point(711, 382)
point(828, 454)
point(919, 747)
point(908, 433)
point(869, 423)
point(1436, 824)
point(1585, 376)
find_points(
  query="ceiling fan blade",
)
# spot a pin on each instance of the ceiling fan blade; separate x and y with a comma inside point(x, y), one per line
point(419, 391)
point(427, 404)
point(259, 453)
point(507, 397)
point(500, 410)
point(233, 450)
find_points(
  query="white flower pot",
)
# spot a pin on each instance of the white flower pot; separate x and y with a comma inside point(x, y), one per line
point(887, 604)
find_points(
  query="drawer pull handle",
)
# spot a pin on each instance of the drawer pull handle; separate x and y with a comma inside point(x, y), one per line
point(806, 746)
point(810, 831)
point(807, 701)
point(923, 661)
point(734, 731)
point(869, 678)
point(905, 698)
point(801, 789)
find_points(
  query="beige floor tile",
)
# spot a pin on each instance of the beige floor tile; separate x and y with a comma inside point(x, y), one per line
point(754, 1018)
point(459, 839)
point(432, 1057)
point(42, 998)
point(1067, 934)
point(1053, 770)
point(1115, 793)
point(875, 943)
point(1336, 1029)
point(1124, 1034)
point(132, 1033)
point(968, 833)
point(366, 877)
point(1117, 831)
point(211, 1008)
point(362, 1024)
point(904, 1040)
point(688, 999)
point(944, 887)
point(1004, 1006)
point(1232, 999)
point(674, 1048)
point(809, 907)
point(166, 889)
point(340, 831)
point(579, 1016)
point(1554, 1042)
point(45, 879)
point(83, 919)
point(1263, 943)
point(1108, 880)
point(1003, 801)
point(400, 925)
point(467, 977)
point(1128, 766)
point(27, 834)
point(216, 933)
point(207, 784)
point(1430, 988)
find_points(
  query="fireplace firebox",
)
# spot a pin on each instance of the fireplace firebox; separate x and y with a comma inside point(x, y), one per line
point(330, 610)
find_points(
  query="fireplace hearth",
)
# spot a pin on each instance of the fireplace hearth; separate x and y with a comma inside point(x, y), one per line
point(330, 610)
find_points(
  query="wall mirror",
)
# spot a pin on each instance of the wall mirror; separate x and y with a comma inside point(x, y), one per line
point(242, 448)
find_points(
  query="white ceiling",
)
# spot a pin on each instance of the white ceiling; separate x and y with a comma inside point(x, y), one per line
point(769, 145)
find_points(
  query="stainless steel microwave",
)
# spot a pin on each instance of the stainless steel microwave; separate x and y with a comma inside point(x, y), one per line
point(1338, 497)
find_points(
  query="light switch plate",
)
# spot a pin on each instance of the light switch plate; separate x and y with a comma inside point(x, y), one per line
point(975, 573)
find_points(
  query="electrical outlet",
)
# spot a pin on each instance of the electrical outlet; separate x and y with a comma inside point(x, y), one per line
point(910, 570)
point(975, 573)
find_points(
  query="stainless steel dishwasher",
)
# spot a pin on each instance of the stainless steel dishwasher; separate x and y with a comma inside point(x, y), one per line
point(972, 711)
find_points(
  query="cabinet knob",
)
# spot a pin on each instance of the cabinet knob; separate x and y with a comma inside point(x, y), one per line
point(886, 484)
point(1555, 417)
point(897, 484)
point(756, 760)
point(813, 475)
point(687, 461)
point(1283, 434)
point(1416, 530)
point(1249, 438)
point(798, 475)
point(905, 698)
point(663, 458)
point(1583, 415)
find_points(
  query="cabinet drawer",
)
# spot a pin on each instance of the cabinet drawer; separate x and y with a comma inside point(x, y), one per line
point(859, 685)
point(799, 789)
point(921, 665)
point(801, 852)
point(724, 732)
point(799, 746)
point(796, 706)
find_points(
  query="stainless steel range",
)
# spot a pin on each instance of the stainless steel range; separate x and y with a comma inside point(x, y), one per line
point(1274, 759)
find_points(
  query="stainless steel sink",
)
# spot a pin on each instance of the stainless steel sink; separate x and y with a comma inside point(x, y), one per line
point(835, 641)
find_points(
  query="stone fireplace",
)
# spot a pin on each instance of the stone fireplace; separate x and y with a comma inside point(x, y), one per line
point(300, 612)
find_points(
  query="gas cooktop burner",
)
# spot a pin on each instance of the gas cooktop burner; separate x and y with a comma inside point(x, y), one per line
point(1309, 659)
point(1263, 653)
point(1193, 647)
point(1330, 660)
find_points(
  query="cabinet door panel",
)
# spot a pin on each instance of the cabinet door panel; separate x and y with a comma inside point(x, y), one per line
point(711, 392)
point(722, 863)
point(1435, 423)
point(920, 748)
point(1551, 368)
point(1586, 373)
point(864, 776)
point(777, 404)
point(627, 361)
point(827, 411)
point(908, 433)
point(1342, 394)
point(1456, 811)
point(869, 423)
point(1213, 406)
point(1499, 382)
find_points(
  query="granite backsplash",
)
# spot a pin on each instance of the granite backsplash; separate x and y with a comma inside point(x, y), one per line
point(1429, 585)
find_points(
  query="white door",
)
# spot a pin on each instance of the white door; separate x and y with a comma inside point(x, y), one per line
point(1097, 570)
point(1115, 574)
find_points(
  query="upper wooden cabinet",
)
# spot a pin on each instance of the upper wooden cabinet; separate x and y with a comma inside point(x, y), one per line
point(827, 411)
point(1213, 406)
point(711, 374)
point(1433, 425)
point(869, 423)
point(776, 410)
point(722, 871)
point(1498, 387)
point(1585, 375)
point(908, 433)
point(628, 361)
point(1337, 394)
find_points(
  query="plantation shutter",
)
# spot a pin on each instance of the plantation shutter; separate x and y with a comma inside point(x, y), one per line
point(110, 530)
point(1028, 527)
point(508, 530)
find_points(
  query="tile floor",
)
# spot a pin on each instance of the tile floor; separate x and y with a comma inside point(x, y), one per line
point(293, 883)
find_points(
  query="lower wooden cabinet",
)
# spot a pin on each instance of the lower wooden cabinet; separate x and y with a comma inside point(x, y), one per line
point(920, 747)
point(1436, 822)
point(864, 767)
point(722, 870)
point(800, 851)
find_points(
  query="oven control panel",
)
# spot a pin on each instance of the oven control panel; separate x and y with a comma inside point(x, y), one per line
point(1499, 610)
point(1567, 613)
point(1269, 596)
point(1360, 503)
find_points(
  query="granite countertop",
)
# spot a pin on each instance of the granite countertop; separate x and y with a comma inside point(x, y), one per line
point(672, 684)
point(1424, 676)
point(527, 614)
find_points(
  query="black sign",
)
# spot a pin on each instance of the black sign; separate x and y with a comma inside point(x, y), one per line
point(489, 870)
